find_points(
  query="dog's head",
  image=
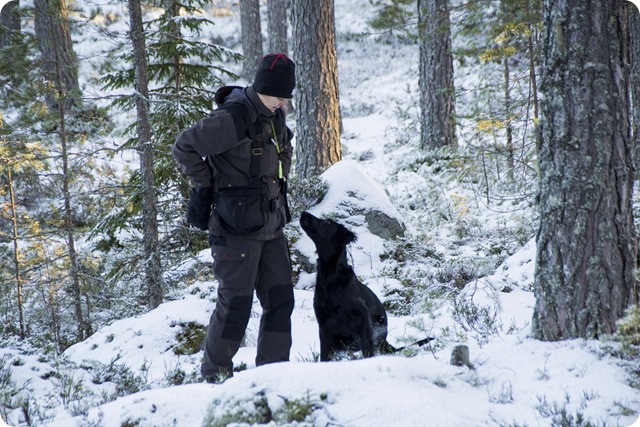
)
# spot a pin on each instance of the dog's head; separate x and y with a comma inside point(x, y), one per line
point(326, 232)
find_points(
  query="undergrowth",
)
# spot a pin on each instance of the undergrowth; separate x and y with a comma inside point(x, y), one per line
point(291, 411)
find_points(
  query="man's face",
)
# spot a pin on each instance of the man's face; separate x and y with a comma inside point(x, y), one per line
point(272, 102)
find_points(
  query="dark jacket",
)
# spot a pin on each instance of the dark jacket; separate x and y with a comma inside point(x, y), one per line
point(216, 152)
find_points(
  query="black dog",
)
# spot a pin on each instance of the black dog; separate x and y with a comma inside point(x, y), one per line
point(349, 314)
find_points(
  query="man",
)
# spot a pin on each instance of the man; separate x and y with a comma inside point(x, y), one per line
point(238, 159)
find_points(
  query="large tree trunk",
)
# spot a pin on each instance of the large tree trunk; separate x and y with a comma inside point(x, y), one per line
point(9, 22)
point(251, 37)
point(146, 147)
point(586, 243)
point(54, 39)
point(277, 25)
point(634, 26)
point(317, 107)
point(437, 98)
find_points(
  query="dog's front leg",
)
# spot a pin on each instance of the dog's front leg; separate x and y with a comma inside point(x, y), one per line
point(326, 346)
point(367, 345)
point(366, 334)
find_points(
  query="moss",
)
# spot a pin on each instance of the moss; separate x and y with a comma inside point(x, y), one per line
point(297, 410)
point(628, 331)
point(189, 338)
point(261, 414)
point(293, 411)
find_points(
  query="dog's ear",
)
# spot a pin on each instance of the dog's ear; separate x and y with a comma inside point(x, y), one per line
point(345, 236)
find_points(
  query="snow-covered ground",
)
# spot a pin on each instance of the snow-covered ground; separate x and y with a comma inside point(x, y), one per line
point(513, 380)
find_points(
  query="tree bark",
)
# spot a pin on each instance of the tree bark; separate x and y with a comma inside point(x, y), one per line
point(9, 22)
point(533, 50)
point(251, 31)
point(508, 114)
point(437, 97)
point(146, 147)
point(587, 246)
point(60, 65)
point(54, 41)
point(16, 252)
point(84, 327)
point(317, 105)
point(277, 26)
point(634, 26)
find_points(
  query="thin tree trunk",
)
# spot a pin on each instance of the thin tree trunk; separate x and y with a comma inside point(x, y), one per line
point(251, 37)
point(587, 248)
point(437, 97)
point(50, 301)
point(318, 108)
point(146, 147)
point(84, 329)
point(507, 112)
point(9, 22)
point(532, 72)
point(277, 26)
point(177, 59)
point(16, 254)
point(59, 52)
point(54, 38)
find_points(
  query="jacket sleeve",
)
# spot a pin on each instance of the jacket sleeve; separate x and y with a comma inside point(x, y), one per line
point(212, 135)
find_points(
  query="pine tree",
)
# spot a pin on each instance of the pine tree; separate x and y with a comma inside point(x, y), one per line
point(318, 111)
point(499, 113)
point(17, 159)
point(437, 97)
point(184, 71)
point(587, 245)
point(634, 30)
point(277, 20)
point(52, 207)
point(251, 30)
point(59, 61)
point(9, 22)
point(514, 51)
point(146, 148)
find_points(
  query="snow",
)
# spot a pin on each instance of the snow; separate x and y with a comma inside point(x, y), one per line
point(511, 373)
point(513, 379)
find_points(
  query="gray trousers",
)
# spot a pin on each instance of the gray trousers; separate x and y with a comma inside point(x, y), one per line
point(243, 266)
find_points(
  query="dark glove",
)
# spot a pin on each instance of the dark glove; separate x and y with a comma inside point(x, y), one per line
point(283, 189)
point(200, 207)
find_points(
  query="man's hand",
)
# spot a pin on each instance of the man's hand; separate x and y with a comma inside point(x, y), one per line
point(200, 207)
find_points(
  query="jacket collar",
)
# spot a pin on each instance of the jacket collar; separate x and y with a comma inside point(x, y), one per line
point(256, 103)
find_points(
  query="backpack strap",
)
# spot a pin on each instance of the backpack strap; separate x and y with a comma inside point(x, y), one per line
point(256, 152)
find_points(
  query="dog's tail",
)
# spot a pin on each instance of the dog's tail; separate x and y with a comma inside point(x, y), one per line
point(387, 348)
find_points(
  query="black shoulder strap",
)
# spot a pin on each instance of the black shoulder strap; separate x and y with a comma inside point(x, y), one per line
point(256, 152)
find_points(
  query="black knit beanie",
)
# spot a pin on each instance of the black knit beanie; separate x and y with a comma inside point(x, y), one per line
point(276, 76)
